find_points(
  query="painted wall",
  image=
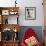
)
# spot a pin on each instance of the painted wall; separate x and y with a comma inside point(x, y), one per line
point(26, 3)
point(39, 12)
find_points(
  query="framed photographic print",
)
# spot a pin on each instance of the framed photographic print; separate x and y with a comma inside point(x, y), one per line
point(5, 12)
point(30, 13)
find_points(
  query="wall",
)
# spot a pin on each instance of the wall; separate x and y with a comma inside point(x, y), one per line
point(26, 3)
point(39, 12)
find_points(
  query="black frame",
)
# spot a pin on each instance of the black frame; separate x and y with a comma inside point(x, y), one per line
point(30, 8)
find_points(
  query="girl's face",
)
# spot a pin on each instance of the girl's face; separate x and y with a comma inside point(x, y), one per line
point(31, 41)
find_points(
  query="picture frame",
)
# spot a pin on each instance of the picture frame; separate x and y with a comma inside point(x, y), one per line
point(30, 13)
point(5, 12)
point(13, 12)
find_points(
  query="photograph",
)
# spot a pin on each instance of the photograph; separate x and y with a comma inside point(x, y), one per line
point(30, 13)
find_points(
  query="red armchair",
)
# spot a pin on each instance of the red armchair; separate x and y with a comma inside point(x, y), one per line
point(29, 36)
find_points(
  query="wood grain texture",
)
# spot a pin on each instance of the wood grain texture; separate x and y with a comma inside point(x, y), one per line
point(9, 43)
point(11, 26)
point(44, 6)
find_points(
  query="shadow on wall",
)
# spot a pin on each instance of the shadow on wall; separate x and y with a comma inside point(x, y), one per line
point(37, 29)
